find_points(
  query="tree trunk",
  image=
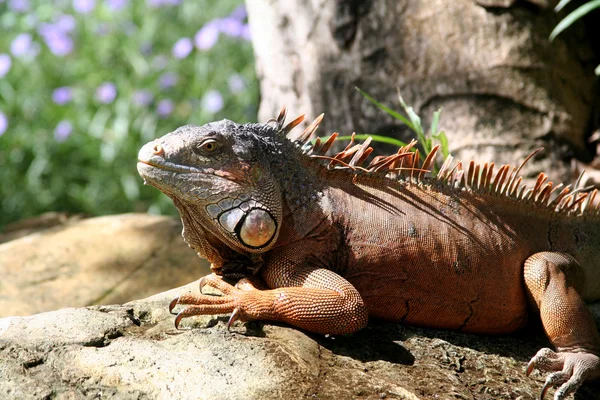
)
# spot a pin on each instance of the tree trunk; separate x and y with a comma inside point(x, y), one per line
point(504, 88)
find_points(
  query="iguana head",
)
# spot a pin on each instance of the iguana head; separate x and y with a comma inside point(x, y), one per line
point(221, 173)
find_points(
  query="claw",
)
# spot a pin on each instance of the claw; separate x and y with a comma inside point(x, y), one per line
point(173, 304)
point(202, 283)
point(545, 388)
point(530, 367)
point(178, 320)
point(235, 315)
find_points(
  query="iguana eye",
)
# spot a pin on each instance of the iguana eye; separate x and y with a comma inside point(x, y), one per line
point(209, 146)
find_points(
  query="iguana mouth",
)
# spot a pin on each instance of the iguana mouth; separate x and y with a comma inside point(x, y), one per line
point(172, 167)
point(182, 169)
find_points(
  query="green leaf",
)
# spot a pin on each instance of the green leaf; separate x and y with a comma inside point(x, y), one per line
point(391, 112)
point(443, 139)
point(377, 138)
point(426, 141)
point(434, 122)
point(416, 121)
point(561, 5)
point(574, 16)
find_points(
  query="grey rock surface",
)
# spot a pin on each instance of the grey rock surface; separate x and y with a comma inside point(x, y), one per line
point(103, 260)
point(132, 351)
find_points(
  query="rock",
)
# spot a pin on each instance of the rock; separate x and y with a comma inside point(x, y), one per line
point(24, 227)
point(132, 351)
point(486, 63)
point(112, 259)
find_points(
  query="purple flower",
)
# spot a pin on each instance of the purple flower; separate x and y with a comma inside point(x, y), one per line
point(19, 5)
point(21, 45)
point(239, 13)
point(246, 34)
point(3, 123)
point(65, 23)
point(231, 27)
point(46, 28)
point(5, 64)
point(142, 98)
point(56, 35)
point(164, 108)
point(207, 36)
point(84, 6)
point(212, 101)
point(115, 5)
point(56, 38)
point(182, 48)
point(60, 45)
point(236, 83)
point(63, 131)
point(167, 80)
point(106, 93)
point(62, 95)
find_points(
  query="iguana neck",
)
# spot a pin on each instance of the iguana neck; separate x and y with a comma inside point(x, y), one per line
point(305, 205)
point(208, 246)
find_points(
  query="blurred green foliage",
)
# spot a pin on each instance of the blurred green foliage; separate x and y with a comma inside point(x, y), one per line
point(130, 71)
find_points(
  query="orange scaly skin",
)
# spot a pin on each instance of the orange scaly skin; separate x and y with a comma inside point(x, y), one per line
point(468, 250)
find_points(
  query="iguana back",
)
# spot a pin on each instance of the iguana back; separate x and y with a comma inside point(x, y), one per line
point(456, 254)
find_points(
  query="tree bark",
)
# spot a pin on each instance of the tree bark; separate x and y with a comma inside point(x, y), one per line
point(505, 90)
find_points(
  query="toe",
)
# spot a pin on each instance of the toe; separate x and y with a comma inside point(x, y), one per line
point(553, 380)
point(578, 367)
point(216, 282)
point(568, 387)
point(251, 284)
point(204, 309)
point(192, 299)
point(570, 370)
point(545, 360)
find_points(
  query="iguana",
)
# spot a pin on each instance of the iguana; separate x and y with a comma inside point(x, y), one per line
point(325, 242)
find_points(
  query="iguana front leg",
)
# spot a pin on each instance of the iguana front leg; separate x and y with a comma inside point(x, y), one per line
point(314, 299)
point(553, 281)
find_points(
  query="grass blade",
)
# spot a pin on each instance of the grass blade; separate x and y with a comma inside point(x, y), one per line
point(434, 122)
point(574, 16)
point(416, 121)
point(561, 5)
point(377, 138)
point(443, 139)
point(391, 112)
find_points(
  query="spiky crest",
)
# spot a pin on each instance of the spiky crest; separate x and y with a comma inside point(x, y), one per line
point(405, 164)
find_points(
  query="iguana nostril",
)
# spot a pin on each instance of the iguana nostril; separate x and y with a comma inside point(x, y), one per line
point(158, 150)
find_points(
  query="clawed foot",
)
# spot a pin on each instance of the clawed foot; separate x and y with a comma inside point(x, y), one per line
point(570, 370)
point(232, 302)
